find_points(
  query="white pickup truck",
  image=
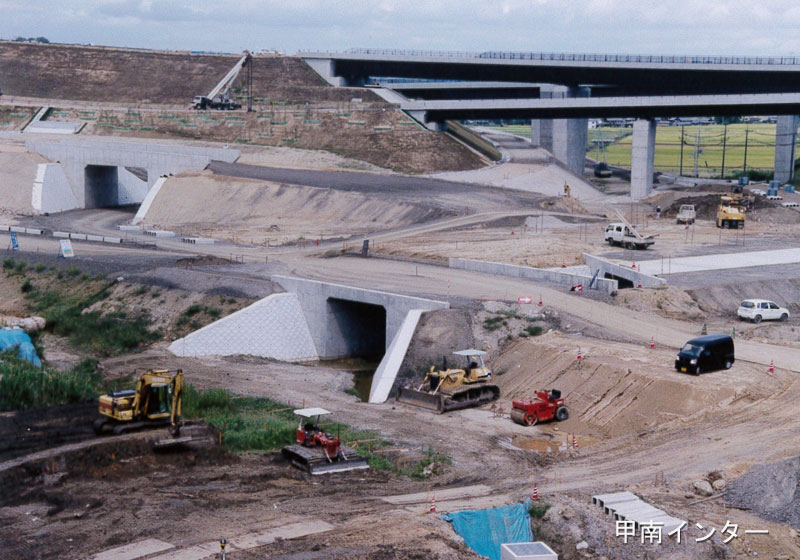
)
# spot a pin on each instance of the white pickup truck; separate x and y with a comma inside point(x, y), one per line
point(620, 234)
point(687, 214)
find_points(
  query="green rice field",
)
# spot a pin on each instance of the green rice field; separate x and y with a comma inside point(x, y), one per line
point(672, 140)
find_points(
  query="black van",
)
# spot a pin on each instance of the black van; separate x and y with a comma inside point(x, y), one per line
point(706, 353)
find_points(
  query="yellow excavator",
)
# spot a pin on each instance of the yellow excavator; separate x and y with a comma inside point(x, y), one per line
point(156, 402)
point(454, 388)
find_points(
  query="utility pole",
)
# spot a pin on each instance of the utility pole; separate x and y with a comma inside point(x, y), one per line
point(696, 151)
point(682, 131)
point(724, 143)
point(746, 135)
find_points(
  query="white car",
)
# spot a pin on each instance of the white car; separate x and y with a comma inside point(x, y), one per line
point(757, 310)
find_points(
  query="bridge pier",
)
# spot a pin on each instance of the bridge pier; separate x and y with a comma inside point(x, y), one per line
point(785, 139)
point(643, 158)
point(564, 138)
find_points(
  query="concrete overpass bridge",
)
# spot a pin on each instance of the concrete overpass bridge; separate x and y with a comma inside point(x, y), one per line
point(565, 90)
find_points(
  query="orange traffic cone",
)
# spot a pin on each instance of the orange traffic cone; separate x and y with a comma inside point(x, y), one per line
point(574, 442)
point(771, 366)
point(535, 495)
point(652, 343)
point(433, 505)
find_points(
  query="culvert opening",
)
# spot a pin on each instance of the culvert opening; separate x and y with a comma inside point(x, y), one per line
point(622, 283)
point(101, 186)
point(362, 328)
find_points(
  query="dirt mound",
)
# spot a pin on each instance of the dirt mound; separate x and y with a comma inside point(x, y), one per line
point(769, 491)
point(619, 389)
point(668, 301)
point(706, 205)
point(723, 299)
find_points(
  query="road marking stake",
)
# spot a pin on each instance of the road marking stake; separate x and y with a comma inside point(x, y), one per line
point(771, 366)
point(433, 505)
point(535, 495)
point(652, 343)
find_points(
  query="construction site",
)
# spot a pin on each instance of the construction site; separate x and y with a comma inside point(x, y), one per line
point(249, 314)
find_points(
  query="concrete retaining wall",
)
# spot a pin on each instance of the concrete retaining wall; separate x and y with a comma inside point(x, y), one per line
point(530, 273)
point(330, 328)
point(619, 271)
point(148, 200)
point(273, 327)
point(132, 190)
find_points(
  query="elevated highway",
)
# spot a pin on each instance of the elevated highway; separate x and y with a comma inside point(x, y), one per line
point(564, 90)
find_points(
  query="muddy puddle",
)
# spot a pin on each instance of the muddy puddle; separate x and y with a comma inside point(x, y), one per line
point(362, 370)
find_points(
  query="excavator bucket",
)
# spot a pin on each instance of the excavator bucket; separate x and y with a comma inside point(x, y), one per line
point(191, 435)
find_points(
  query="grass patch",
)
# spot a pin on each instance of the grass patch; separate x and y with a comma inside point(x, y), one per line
point(102, 335)
point(532, 330)
point(23, 385)
point(493, 323)
point(263, 425)
point(538, 509)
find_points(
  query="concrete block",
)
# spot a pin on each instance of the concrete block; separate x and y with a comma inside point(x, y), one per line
point(129, 228)
point(34, 231)
point(385, 375)
point(198, 240)
point(274, 327)
point(94, 238)
point(159, 233)
point(133, 550)
point(616, 497)
point(111, 239)
point(17, 229)
point(62, 234)
point(78, 236)
point(5, 228)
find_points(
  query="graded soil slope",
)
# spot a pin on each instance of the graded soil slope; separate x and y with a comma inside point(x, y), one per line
point(139, 76)
point(257, 211)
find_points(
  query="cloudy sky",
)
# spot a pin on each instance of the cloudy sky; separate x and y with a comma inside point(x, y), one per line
point(747, 27)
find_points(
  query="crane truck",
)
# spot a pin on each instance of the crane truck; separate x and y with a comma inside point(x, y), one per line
point(220, 97)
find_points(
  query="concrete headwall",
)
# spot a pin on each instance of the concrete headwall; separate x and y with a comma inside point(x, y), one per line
point(273, 327)
point(619, 271)
point(84, 164)
point(331, 324)
point(530, 273)
point(132, 189)
point(51, 190)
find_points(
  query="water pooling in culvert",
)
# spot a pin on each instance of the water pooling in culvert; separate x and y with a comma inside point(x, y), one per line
point(361, 370)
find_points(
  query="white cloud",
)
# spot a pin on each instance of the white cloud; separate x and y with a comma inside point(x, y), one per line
point(757, 27)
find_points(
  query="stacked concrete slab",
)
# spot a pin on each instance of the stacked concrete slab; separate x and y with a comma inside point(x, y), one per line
point(626, 506)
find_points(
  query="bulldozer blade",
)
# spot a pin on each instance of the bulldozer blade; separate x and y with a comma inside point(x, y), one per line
point(314, 462)
point(420, 398)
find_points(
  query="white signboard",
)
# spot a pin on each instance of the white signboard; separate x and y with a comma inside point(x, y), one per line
point(66, 248)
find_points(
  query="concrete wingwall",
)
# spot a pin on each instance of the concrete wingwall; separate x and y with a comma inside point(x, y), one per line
point(95, 169)
point(274, 327)
point(619, 271)
point(333, 324)
point(530, 273)
point(51, 190)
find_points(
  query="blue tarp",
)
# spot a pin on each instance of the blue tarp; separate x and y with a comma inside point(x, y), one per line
point(19, 339)
point(484, 530)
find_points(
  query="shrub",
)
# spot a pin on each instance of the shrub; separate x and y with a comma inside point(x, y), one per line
point(538, 509)
point(40, 268)
point(73, 271)
point(213, 312)
point(533, 330)
point(26, 287)
point(8, 264)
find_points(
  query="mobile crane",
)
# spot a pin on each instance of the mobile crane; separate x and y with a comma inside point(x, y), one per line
point(219, 97)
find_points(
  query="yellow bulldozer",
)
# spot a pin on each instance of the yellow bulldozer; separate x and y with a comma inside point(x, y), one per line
point(454, 388)
point(156, 402)
point(730, 212)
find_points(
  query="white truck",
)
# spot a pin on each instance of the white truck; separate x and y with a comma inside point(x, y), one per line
point(626, 236)
point(686, 214)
